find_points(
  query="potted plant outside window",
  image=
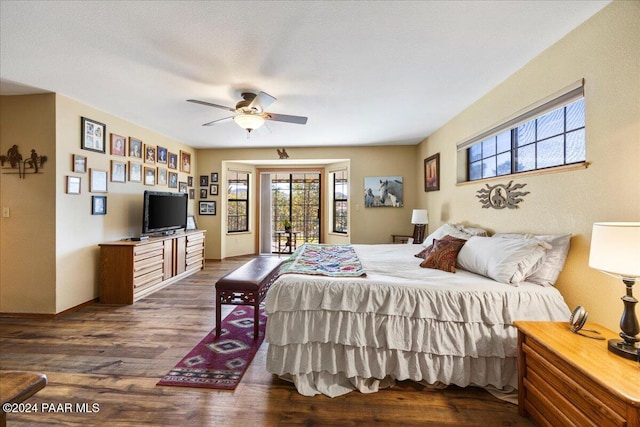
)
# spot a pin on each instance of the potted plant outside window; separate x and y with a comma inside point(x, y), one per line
point(287, 225)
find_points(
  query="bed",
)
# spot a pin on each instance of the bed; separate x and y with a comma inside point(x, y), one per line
point(399, 321)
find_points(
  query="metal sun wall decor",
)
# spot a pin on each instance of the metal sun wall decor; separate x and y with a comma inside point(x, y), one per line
point(32, 164)
point(501, 196)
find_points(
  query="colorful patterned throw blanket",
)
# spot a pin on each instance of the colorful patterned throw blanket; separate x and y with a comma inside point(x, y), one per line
point(324, 260)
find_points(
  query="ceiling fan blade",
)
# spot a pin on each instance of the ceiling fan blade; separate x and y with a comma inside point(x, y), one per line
point(218, 121)
point(209, 104)
point(262, 101)
point(285, 118)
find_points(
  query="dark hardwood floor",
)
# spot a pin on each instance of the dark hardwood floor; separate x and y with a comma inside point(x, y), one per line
point(113, 356)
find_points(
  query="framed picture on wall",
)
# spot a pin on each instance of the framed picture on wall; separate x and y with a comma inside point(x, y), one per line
point(383, 191)
point(118, 145)
point(162, 176)
point(98, 205)
point(98, 180)
point(173, 161)
point(135, 148)
point(73, 185)
point(149, 176)
point(79, 163)
point(207, 208)
point(213, 189)
point(432, 173)
point(92, 135)
point(203, 193)
point(135, 172)
point(149, 154)
point(185, 162)
point(162, 155)
point(118, 171)
point(173, 180)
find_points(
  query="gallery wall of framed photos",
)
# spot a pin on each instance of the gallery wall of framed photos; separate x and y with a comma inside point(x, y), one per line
point(110, 161)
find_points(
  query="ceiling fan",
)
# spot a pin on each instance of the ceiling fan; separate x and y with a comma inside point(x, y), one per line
point(250, 112)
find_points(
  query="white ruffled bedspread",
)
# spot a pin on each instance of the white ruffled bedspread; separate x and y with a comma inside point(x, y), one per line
point(334, 335)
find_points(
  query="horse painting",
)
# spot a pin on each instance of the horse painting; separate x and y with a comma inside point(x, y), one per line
point(391, 189)
point(383, 191)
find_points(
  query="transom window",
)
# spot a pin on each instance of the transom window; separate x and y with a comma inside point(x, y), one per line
point(553, 139)
point(549, 134)
point(237, 201)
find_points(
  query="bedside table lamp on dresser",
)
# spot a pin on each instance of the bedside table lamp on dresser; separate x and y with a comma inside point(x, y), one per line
point(615, 250)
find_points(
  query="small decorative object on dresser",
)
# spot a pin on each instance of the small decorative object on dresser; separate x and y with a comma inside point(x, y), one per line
point(615, 250)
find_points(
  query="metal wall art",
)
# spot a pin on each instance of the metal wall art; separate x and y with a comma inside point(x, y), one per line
point(282, 154)
point(31, 164)
point(501, 196)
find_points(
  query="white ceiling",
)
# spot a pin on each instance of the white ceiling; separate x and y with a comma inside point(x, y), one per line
point(364, 73)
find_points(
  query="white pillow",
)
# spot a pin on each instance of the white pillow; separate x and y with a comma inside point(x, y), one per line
point(474, 231)
point(503, 260)
point(443, 230)
point(553, 262)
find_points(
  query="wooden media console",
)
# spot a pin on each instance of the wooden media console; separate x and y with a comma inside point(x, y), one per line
point(130, 270)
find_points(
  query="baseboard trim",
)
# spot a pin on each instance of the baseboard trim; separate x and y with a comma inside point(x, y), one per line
point(50, 315)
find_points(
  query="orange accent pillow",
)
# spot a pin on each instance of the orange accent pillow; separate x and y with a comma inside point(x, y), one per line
point(444, 254)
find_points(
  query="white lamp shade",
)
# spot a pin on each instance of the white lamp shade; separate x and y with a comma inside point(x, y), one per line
point(420, 216)
point(249, 121)
point(615, 248)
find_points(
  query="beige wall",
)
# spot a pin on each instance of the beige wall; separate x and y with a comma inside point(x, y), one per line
point(370, 225)
point(605, 51)
point(50, 261)
point(27, 237)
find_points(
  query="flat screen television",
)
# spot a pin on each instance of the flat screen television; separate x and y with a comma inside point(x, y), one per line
point(164, 213)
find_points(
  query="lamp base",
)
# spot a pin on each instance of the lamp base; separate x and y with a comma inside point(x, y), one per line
point(418, 233)
point(623, 349)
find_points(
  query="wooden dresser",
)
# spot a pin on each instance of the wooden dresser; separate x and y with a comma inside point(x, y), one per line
point(130, 270)
point(566, 379)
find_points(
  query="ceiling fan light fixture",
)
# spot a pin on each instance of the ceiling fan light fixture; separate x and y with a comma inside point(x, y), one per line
point(249, 121)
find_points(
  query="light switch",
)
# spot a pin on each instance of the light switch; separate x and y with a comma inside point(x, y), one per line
point(5, 212)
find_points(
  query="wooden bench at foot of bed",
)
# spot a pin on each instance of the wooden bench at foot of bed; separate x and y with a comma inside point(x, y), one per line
point(247, 285)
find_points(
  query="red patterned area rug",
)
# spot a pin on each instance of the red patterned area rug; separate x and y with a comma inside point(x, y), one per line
point(220, 362)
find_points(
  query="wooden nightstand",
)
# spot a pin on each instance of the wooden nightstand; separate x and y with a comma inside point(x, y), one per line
point(567, 379)
point(399, 238)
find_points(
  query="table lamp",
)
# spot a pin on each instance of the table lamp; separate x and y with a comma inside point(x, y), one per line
point(419, 218)
point(615, 250)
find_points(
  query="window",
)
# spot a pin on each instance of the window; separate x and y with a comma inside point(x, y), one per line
point(237, 201)
point(340, 201)
point(548, 135)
